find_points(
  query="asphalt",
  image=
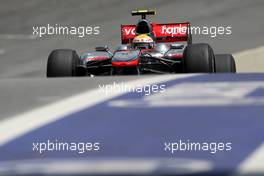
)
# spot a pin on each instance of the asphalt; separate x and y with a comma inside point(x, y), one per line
point(23, 85)
point(25, 94)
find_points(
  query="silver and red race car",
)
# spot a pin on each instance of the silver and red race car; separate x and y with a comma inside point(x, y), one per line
point(147, 48)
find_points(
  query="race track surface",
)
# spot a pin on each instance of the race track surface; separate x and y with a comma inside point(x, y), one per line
point(21, 57)
point(140, 133)
point(24, 87)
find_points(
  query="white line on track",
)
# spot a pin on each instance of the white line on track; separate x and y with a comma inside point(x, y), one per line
point(18, 125)
point(254, 164)
point(17, 37)
point(106, 166)
point(251, 60)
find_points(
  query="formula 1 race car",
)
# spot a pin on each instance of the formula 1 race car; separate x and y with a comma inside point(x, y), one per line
point(146, 48)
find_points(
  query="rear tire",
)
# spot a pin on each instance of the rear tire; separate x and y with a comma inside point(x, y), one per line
point(199, 58)
point(62, 63)
point(225, 63)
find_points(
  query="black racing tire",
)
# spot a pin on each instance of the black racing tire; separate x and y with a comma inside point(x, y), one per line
point(62, 63)
point(225, 63)
point(199, 58)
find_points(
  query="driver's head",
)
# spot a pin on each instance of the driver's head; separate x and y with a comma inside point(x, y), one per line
point(143, 41)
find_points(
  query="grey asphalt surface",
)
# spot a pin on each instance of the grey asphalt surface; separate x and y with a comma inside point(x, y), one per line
point(20, 95)
point(23, 85)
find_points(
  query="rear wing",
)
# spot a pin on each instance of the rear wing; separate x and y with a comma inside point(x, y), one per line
point(143, 13)
point(163, 33)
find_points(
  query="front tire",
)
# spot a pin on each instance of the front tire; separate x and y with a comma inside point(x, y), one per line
point(199, 58)
point(225, 63)
point(62, 63)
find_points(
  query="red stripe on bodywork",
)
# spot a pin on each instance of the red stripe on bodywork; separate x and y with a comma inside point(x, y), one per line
point(126, 64)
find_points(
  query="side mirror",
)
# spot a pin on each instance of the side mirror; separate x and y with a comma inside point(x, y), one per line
point(102, 48)
point(176, 46)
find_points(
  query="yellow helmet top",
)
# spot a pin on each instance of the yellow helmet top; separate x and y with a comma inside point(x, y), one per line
point(143, 38)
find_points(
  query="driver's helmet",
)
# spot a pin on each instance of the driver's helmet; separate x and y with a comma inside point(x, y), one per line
point(143, 41)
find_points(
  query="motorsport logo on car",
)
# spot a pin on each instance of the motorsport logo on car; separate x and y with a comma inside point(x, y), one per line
point(172, 30)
